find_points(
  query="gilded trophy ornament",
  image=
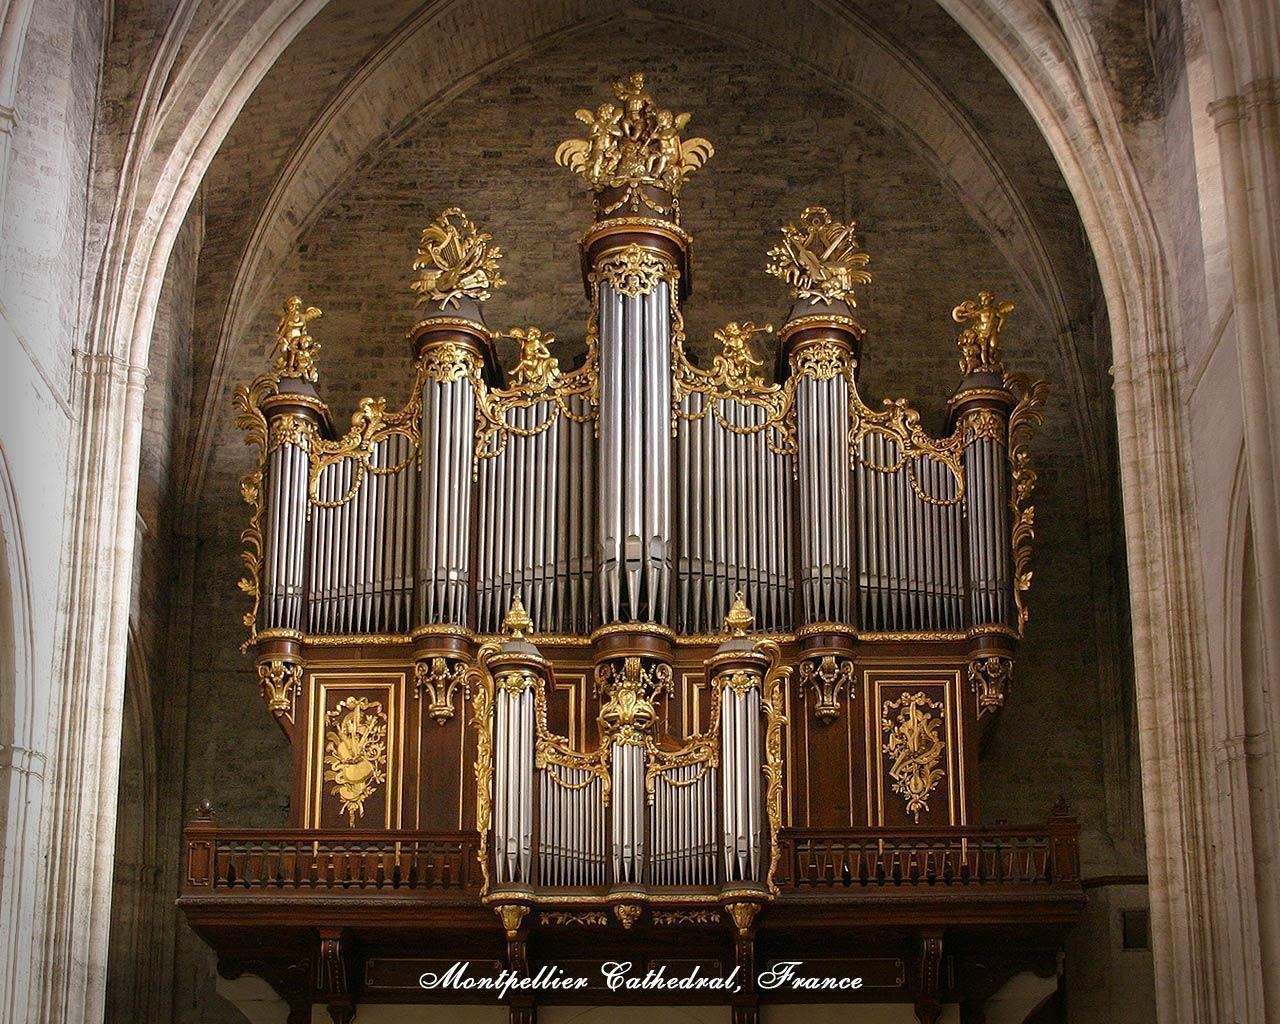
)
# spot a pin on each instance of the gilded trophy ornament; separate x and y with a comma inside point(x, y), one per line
point(820, 259)
point(980, 342)
point(355, 753)
point(295, 351)
point(912, 742)
point(632, 144)
point(455, 260)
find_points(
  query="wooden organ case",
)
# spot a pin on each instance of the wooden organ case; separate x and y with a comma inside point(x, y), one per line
point(640, 660)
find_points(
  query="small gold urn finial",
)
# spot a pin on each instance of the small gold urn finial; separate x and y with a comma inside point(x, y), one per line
point(517, 622)
point(739, 620)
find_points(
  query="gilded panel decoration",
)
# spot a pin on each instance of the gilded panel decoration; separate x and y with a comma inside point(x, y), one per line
point(911, 724)
point(355, 753)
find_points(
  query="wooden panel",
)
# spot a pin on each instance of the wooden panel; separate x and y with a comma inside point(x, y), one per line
point(352, 715)
point(913, 729)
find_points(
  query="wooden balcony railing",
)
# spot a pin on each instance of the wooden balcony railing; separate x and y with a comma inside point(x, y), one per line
point(862, 858)
point(299, 860)
point(831, 860)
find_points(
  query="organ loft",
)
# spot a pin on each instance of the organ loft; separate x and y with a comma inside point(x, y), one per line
point(646, 658)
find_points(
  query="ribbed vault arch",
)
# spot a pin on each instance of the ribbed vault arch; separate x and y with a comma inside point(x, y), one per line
point(410, 75)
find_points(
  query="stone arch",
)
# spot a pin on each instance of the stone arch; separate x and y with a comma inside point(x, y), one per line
point(1052, 66)
point(21, 768)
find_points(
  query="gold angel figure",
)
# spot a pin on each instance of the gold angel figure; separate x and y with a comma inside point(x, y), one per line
point(820, 259)
point(456, 260)
point(295, 350)
point(636, 144)
point(980, 343)
point(537, 369)
point(736, 365)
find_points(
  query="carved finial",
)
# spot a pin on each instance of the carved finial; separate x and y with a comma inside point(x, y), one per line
point(820, 258)
point(517, 622)
point(980, 342)
point(739, 619)
point(538, 369)
point(205, 811)
point(632, 145)
point(456, 260)
point(295, 350)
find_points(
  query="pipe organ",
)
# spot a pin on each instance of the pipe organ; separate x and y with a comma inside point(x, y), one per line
point(635, 631)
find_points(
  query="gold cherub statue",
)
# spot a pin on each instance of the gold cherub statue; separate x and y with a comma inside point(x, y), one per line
point(537, 369)
point(295, 350)
point(980, 343)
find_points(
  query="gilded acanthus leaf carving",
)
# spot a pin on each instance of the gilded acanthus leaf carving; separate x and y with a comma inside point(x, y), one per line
point(820, 259)
point(455, 260)
point(1027, 416)
point(355, 753)
point(912, 742)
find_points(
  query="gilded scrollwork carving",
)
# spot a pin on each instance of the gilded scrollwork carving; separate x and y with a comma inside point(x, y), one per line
point(573, 919)
point(900, 422)
point(827, 676)
point(280, 680)
point(628, 714)
point(355, 753)
point(679, 918)
point(777, 678)
point(627, 913)
point(439, 680)
point(822, 360)
point(910, 724)
point(455, 260)
point(633, 145)
point(480, 682)
point(295, 350)
point(733, 377)
point(990, 677)
point(1027, 416)
point(980, 342)
point(634, 270)
point(249, 418)
point(447, 362)
point(537, 381)
point(820, 259)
